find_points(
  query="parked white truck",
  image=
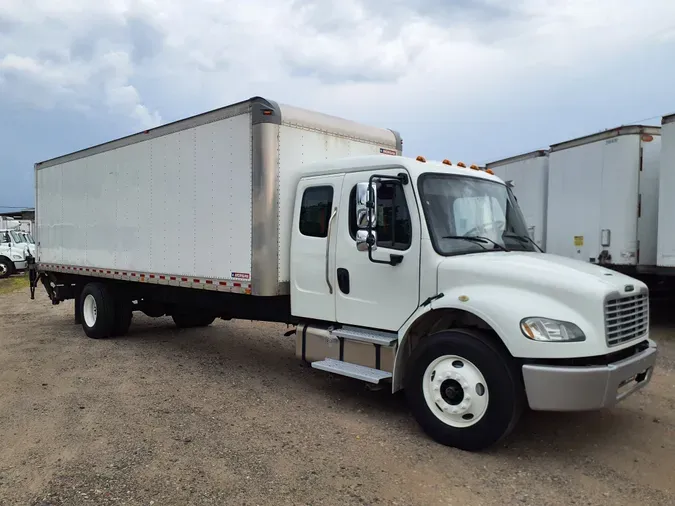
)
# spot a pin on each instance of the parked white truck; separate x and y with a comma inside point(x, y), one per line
point(393, 270)
point(665, 258)
point(603, 198)
point(14, 250)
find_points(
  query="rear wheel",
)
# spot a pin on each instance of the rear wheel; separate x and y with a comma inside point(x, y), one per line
point(123, 316)
point(188, 320)
point(463, 390)
point(98, 311)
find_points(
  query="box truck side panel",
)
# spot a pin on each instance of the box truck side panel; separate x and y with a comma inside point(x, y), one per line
point(666, 221)
point(530, 180)
point(619, 198)
point(306, 137)
point(649, 198)
point(574, 190)
point(48, 211)
point(145, 206)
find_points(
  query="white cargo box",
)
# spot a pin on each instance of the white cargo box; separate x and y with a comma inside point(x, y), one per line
point(603, 197)
point(205, 202)
point(528, 175)
point(666, 234)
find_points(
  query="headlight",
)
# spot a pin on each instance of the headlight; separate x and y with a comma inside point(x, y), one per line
point(545, 329)
point(17, 257)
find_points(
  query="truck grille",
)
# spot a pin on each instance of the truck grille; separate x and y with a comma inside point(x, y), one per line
point(626, 318)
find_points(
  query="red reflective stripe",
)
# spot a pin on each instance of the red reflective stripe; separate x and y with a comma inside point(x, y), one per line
point(223, 283)
point(209, 282)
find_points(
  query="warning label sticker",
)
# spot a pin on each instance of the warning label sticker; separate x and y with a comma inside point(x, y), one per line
point(386, 151)
point(578, 240)
point(241, 275)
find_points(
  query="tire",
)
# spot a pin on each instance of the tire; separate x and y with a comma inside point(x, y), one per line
point(190, 320)
point(97, 305)
point(123, 316)
point(77, 312)
point(6, 268)
point(459, 412)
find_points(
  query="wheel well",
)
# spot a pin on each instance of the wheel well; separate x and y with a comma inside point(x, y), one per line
point(435, 321)
point(3, 257)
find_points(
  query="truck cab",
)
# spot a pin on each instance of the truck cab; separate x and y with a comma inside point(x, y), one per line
point(424, 274)
point(13, 252)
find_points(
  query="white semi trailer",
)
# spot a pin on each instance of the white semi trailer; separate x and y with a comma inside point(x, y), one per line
point(665, 257)
point(527, 174)
point(603, 193)
point(397, 271)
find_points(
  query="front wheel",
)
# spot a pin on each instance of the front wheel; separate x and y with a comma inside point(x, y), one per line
point(6, 268)
point(463, 390)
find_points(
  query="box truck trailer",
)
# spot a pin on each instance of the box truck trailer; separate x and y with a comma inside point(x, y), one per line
point(527, 174)
point(404, 272)
point(665, 259)
point(603, 193)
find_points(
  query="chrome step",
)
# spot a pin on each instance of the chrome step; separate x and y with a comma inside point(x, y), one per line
point(366, 336)
point(352, 370)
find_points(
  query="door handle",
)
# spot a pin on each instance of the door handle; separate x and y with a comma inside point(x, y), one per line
point(343, 280)
point(330, 227)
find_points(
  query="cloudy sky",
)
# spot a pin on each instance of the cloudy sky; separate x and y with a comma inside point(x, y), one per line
point(472, 80)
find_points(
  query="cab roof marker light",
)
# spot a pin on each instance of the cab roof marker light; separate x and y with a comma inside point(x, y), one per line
point(461, 164)
point(447, 162)
point(421, 159)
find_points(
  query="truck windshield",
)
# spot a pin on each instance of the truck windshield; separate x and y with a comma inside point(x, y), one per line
point(18, 238)
point(469, 215)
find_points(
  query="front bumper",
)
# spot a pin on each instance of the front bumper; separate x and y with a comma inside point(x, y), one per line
point(20, 265)
point(563, 388)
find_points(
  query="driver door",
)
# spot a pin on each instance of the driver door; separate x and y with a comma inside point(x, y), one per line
point(378, 295)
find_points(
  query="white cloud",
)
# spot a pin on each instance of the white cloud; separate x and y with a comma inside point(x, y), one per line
point(367, 59)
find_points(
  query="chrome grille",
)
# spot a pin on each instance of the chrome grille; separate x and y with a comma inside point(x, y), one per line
point(626, 318)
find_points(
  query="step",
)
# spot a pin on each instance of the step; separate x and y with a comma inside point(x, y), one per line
point(366, 336)
point(352, 370)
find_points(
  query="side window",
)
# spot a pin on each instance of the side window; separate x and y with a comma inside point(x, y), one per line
point(315, 210)
point(394, 228)
point(4, 237)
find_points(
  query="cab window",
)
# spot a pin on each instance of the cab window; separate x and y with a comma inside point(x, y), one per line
point(315, 208)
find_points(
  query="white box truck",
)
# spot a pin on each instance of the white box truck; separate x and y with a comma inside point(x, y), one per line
point(603, 196)
point(414, 274)
point(527, 174)
point(665, 258)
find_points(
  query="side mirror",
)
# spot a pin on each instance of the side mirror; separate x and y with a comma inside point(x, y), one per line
point(364, 198)
point(362, 240)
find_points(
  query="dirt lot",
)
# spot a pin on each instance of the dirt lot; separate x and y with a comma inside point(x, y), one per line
point(226, 415)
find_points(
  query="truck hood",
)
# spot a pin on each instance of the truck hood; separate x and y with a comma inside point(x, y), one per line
point(536, 271)
point(503, 287)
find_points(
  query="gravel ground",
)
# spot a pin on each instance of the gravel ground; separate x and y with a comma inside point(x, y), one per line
point(227, 415)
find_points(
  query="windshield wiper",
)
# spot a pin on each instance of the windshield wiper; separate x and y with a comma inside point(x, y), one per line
point(478, 239)
point(523, 238)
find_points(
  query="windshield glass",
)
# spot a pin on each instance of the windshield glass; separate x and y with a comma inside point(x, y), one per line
point(463, 206)
point(18, 238)
point(30, 239)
